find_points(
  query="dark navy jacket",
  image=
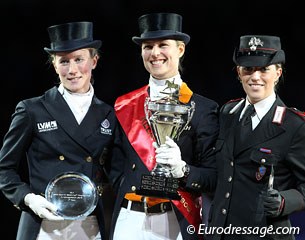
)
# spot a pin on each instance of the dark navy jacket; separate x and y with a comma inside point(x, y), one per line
point(45, 133)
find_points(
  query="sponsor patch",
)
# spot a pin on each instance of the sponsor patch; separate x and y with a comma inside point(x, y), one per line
point(47, 126)
point(105, 127)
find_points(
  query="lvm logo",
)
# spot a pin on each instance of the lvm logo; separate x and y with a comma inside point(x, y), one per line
point(47, 126)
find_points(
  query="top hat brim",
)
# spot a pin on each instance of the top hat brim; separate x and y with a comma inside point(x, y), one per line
point(72, 47)
point(259, 60)
point(162, 34)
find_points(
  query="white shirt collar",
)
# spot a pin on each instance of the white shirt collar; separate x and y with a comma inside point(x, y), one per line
point(79, 103)
point(62, 90)
point(263, 106)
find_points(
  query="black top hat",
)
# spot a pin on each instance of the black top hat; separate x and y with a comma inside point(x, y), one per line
point(71, 36)
point(161, 26)
point(258, 51)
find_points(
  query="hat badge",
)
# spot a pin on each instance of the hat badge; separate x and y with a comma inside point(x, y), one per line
point(254, 42)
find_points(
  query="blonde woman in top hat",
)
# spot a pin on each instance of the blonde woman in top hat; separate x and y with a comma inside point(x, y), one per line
point(261, 173)
point(67, 129)
point(136, 216)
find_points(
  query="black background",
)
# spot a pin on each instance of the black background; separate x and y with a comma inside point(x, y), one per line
point(214, 27)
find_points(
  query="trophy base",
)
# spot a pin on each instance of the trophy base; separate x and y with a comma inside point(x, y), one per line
point(159, 187)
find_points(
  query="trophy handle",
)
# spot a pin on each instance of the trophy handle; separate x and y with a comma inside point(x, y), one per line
point(190, 113)
point(148, 114)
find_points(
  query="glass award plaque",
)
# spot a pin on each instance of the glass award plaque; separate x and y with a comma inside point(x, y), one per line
point(73, 193)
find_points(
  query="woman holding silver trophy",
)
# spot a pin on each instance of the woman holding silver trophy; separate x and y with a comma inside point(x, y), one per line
point(65, 135)
point(169, 131)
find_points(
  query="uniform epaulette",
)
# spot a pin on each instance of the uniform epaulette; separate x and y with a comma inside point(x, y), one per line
point(239, 102)
point(298, 112)
point(234, 100)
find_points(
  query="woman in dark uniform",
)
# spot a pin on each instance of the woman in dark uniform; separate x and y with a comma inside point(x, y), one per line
point(260, 157)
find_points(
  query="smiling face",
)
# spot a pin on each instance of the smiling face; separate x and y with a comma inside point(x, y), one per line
point(259, 82)
point(161, 57)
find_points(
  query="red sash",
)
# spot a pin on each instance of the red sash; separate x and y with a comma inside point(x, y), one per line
point(130, 113)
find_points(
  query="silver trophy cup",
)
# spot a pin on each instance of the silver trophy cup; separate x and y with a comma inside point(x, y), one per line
point(166, 117)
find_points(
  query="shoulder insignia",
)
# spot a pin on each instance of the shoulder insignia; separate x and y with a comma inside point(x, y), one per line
point(234, 100)
point(298, 112)
point(279, 115)
point(240, 102)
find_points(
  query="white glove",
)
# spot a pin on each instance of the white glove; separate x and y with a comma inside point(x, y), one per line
point(42, 207)
point(169, 153)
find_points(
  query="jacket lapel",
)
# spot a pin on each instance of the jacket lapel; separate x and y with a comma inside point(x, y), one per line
point(59, 109)
point(265, 130)
point(230, 126)
point(232, 135)
point(91, 124)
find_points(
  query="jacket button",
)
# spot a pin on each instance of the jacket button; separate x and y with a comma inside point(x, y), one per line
point(227, 195)
point(224, 211)
point(263, 160)
point(230, 179)
point(133, 166)
point(232, 163)
point(61, 157)
point(89, 159)
point(133, 188)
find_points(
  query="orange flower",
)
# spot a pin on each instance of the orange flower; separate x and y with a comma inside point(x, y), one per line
point(185, 93)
